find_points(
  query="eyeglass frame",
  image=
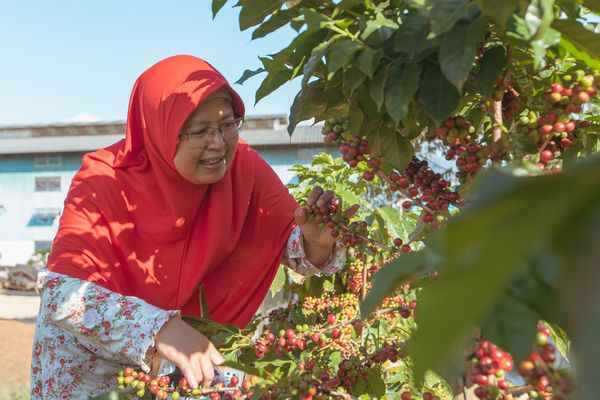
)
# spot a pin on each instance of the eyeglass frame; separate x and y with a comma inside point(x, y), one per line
point(212, 135)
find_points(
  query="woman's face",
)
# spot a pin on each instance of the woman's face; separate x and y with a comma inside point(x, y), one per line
point(207, 164)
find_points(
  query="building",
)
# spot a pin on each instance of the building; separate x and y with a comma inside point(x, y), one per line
point(37, 164)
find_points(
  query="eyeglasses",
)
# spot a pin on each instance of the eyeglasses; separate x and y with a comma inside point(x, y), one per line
point(203, 137)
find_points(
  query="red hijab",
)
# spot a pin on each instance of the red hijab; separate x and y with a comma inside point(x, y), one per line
point(132, 224)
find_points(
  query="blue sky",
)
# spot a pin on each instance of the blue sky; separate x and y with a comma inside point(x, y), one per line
point(78, 60)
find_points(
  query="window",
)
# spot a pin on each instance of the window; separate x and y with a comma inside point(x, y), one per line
point(47, 160)
point(47, 184)
point(43, 216)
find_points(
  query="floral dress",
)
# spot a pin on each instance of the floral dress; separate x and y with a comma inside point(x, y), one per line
point(86, 333)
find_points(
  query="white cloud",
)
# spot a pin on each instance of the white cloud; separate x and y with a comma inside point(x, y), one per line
point(82, 117)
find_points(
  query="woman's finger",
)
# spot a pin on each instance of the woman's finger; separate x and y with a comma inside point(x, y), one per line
point(325, 198)
point(315, 193)
point(189, 374)
point(350, 211)
point(208, 373)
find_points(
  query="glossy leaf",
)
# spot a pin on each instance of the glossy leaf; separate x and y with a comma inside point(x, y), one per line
point(499, 11)
point(512, 325)
point(367, 60)
point(580, 42)
point(458, 48)
point(490, 68)
point(439, 97)
point(340, 53)
point(388, 142)
point(387, 279)
point(279, 281)
point(412, 35)
point(278, 19)
point(378, 30)
point(308, 103)
point(402, 85)
point(249, 74)
point(517, 209)
point(593, 5)
point(397, 227)
point(217, 5)
point(445, 13)
point(253, 12)
point(377, 87)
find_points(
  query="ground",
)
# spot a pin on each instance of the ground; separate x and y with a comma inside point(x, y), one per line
point(18, 311)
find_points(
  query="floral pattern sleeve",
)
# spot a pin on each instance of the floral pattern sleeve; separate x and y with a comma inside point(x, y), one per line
point(295, 257)
point(85, 334)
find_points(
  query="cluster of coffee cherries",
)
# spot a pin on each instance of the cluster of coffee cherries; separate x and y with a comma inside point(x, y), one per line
point(333, 130)
point(406, 395)
point(458, 132)
point(287, 341)
point(346, 304)
point(337, 221)
point(356, 150)
point(539, 372)
point(162, 386)
point(418, 181)
point(490, 364)
point(355, 275)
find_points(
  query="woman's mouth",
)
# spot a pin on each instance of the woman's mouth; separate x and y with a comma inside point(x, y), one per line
point(212, 162)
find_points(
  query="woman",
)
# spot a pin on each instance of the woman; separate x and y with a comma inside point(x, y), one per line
point(180, 202)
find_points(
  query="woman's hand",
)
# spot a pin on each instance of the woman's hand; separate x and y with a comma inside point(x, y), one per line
point(318, 242)
point(189, 350)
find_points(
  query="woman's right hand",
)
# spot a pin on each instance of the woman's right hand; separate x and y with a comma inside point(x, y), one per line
point(189, 350)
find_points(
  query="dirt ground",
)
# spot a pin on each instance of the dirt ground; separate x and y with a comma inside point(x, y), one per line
point(18, 311)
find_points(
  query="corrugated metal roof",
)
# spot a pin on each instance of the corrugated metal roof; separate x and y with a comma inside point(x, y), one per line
point(57, 144)
point(84, 142)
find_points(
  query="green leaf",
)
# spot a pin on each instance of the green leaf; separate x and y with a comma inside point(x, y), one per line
point(411, 37)
point(310, 102)
point(114, 395)
point(397, 226)
point(579, 42)
point(499, 11)
point(492, 64)
point(278, 19)
point(248, 74)
point(593, 5)
point(402, 85)
point(387, 279)
point(245, 368)
point(273, 81)
point(376, 382)
point(561, 339)
point(367, 60)
point(316, 57)
point(444, 14)
point(512, 325)
point(458, 48)
point(517, 208)
point(378, 30)
point(355, 78)
point(216, 6)
point(203, 304)
point(255, 11)
point(340, 53)
point(439, 97)
point(388, 142)
point(278, 281)
point(377, 87)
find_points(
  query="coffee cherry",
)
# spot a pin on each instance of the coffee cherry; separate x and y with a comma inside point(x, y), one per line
point(397, 242)
point(331, 318)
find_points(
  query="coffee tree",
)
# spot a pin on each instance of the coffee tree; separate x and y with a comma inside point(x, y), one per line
point(468, 132)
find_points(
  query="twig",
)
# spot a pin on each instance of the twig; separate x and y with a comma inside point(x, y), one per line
point(363, 289)
point(519, 389)
point(368, 239)
point(342, 395)
point(497, 149)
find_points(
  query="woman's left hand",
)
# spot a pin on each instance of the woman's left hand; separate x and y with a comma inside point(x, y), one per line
point(319, 241)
